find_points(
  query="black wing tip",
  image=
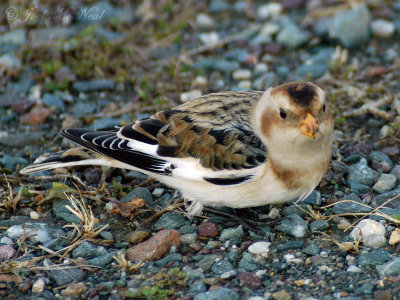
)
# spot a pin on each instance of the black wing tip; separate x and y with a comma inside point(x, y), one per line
point(227, 181)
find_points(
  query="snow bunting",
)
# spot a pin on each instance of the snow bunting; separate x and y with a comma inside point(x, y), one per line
point(235, 149)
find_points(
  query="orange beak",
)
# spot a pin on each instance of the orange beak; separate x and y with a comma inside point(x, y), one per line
point(309, 126)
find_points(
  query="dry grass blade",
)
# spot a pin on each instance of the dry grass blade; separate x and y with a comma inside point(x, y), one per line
point(350, 247)
point(10, 202)
point(315, 215)
point(87, 229)
point(123, 263)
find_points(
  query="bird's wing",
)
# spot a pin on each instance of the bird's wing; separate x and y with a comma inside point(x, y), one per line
point(209, 139)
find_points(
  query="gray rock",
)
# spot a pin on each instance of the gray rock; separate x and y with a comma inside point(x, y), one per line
point(53, 100)
point(88, 250)
point(231, 233)
point(350, 207)
point(21, 139)
point(171, 220)
point(193, 274)
point(14, 37)
point(55, 244)
point(373, 258)
point(366, 289)
point(291, 36)
point(240, 55)
point(37, 232)
point(233, 255)
point(60, 211)
point(93, 85)
point(102, 260)
point(380, 161)
point(15, 220)
point(314, 199)
point(84, 108)
point(312, 249)
point(385, 183)
point(358, 20)
point(167, 259)
point(319, 225)
point(380, 199)
point(222, 266)
point(265, 81)
point(391, 268)
point(207, 261)
point(293, 209)
point(10, 162)
point(9, 61)
point(293, 225)
point(107, 235)
point(197, 287)
point(135, 175)
point(358, 188)
point(106, 122)
point(139, 192)
point(218, 6)
point(226, 66)
point(289, 245)
point(313, 71)
point(282, 72)
point(66, 276)
point(339, 167)
point(248, 266)
point(361, 173)
point(222, 293)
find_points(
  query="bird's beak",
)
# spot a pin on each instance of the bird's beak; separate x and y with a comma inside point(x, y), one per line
point(309, 126)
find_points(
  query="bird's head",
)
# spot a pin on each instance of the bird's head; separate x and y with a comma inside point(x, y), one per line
point(293, 114)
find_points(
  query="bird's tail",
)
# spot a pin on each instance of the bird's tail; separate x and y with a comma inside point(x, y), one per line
point(73, 157)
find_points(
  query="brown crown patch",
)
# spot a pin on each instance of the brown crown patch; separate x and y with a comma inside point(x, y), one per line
point(301, 93)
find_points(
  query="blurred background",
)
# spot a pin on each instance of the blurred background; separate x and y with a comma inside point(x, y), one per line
point(104, 63)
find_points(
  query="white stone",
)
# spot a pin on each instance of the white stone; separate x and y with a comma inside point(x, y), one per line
point(274, 213)
point(382, 28)
point(209, 38)
point(204, 21)
point(372, 233)
point(270, 10)
point(228, 274)
point(199, 81)
point(188, 238)
point(193, 94)
point(38, 286)
point(261, 273)
point(256, 298)
point(259, 248)
point(34, 215)
point(241, 74)
point(157, 192)
point(9, 61)
point(244, 84)
point(386, 130)
point(6, 240)
point(270, 29)
point(261, 68)
point(353, 269)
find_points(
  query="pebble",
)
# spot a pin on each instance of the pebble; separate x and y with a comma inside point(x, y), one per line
point(207, 229)
point(209, 38)
point(193, 274)
point(38, 286)
point(373, 257)
point(391, 268)
point(353, 269)
point(358, 188)
point(189, 96)
point(380, 161)
point(189, 238)
point(93, 85)
point(319, 225)
point(74, 290)
point(314, 199)
point(311, 249)
point(231, 233)
point(265, 81)
point(386, 131)
point(269, 10)
point(293, 225)
point(88, 250)
point(6, 252)
point(197, 287)
point(157, 192)
point(385, 183)
point(37, 116)
point(358, 19)
point(155, 247)
point(380, 199)
point(10, 62)
point(37, 232)
point(22, 106)
point(361, 173)
point(204, 21)
point(244, 85)
point(34, 215)
point(291, 36)
point(228, 274)
point(139, 192)
point(10, 162)
point(250, 280)
point(171, 220)
point(53, 100)
point(102, 260)
point(350, 207)
point(382, 28)
point(222, 293)
point(6, 240)
point(40, 37)
point(222, 266)
point(67, 275)
point(241, 74)
point(371, 233)
point(137, 236)
point(259, 248)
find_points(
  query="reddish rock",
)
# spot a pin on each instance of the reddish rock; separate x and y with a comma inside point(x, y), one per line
point(36, 116)
point(274, 49)
point(361, 148)
point(245, 245)
point(376, 71)
point(155, 247)
point(391, 151)
point(6, 252)
point(250, 280)
point(22, 106)
point(208, 229)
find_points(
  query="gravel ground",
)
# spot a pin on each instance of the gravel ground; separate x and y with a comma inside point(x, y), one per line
point(96, 233)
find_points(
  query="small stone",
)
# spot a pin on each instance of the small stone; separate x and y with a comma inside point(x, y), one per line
point(260, 68)
point(231, 234)
point(259, 248)
point(269, 10)
point(155, 247)
point(10, 62)
point(53, 100)
point(34, 215)
point(137, 236)
point(204, 21)
point(361, 173)
point(171, 220)
point(250, 280)
point(241, 74)
point(209, 38)
point(193, 274)
point(189, 238)
point(14, 37)
point(391, 268)
point(93, 85)
point(157, 192)
point(22, 106)
point(361, 148)
point(293, 225)
point(37, 116)
point(67, 275)
point(394, 237)
point(197, 287)
point(386, 131)
point(385, 183)
point(372, 233)
point(189, 96)
point(358, 188)
point(38, 286)
point(373, 258)
point(380, 161)
point(222, 266)
point(348, 207)
point(6, 240)
point(353, 269)
point(312, 249)
point(291, 36)
point(281, 295)
point(228, 274)
point(139, 192)
point(37, 232)
point(358, 20)
point(382, 28)
point(208, 229)
point(74, 290)
point(6, 252)
point(244, 85)
point(88, 250)
point(222, 293)
point(319, 225)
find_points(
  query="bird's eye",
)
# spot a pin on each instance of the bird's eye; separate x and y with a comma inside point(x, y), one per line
point(282, 113)
point(323, 108)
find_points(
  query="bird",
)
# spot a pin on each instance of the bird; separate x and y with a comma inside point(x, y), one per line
point(238, 149)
